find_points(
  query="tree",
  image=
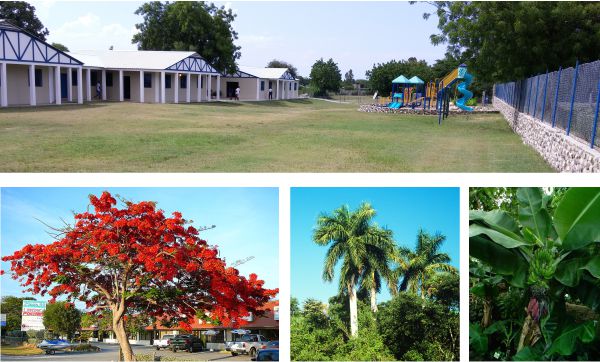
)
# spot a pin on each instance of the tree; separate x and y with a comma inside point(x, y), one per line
point(13, 307)
point(60, 47)
point(294, 306)
point(281, 64)
point(314, 312)
point(62, 318)
point(508, 41)
point(351, 237)
point(382, 74)
point(418, 266)
point(190, 26)
point(349, 77)
point(325, 76)
point(22, 14)
point(134, 260)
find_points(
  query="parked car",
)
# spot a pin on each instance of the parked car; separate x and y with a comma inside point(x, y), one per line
point(271, 345)
point(249, 344)
point(271, 354)
point(163, 342)
point(186, 342)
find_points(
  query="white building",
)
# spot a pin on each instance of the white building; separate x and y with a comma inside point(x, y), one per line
point(136, 76)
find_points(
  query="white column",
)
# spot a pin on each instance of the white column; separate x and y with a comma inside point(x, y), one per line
point(79, 85)
point(103, 84)
point(121, 99)
point(257, 89)
point(70, 84)
point(88, 80)
point(57, 90)
point(162, 87)
point(176, 87)
point(156, 85)
point(3, 86)
point(50, 86)
point(218, 87)
point(209, 86)
point(32, 100)
point(188, 88)
point(141, 86)
point(277, 96)
point(199, 88)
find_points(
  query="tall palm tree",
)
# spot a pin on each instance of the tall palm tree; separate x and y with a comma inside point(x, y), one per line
point(376, 266)
point(356, 242)
point(418, 266)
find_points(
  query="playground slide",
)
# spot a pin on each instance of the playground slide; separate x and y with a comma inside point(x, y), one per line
point(467, 94)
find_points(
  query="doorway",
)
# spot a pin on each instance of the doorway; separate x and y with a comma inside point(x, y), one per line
point(63, 86)
point(231, 87)
point(127, 87)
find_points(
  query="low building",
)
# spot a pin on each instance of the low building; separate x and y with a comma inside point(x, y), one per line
point(267, 325)
point(136, 75)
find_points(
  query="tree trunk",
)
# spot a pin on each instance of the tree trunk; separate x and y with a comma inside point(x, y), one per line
point(373, 300)
point(353, 310)
point(119, 329)
point(487, 313)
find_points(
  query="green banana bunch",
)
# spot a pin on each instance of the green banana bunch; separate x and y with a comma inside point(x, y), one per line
point(542, 267)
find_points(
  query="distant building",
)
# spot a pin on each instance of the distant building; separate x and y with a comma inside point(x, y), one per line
point(267, 325)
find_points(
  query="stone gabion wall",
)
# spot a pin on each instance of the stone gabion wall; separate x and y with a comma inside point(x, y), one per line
point(564, 153)
point(376, 108)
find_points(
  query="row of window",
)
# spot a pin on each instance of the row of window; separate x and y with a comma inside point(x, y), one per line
point(147, 80)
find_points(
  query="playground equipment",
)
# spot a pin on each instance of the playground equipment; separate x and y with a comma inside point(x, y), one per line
point(444, 89)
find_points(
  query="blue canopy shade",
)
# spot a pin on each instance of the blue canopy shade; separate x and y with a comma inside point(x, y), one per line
point(401, 80)
point(416, 80)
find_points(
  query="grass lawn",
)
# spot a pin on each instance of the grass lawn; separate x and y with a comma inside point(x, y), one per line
point(279, 136)
point(19, 351)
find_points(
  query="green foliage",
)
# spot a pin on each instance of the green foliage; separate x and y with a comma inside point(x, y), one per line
point(294, 306)
point(381, 76)
point(62, 318)
point(22, 14)
point(504, 41)
point(325, 76)
point(281, 64)
point(12, 307)
point(60, 47)
point(189, 26)
point(547, 252)
point(411, 325)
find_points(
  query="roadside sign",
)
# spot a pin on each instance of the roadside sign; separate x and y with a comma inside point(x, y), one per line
point(2, 320)
point(33, 315)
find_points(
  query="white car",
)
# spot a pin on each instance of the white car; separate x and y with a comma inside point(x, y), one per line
point(249, 344)
point(163, 342)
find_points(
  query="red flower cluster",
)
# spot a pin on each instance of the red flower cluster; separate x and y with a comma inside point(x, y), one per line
point(139, 259)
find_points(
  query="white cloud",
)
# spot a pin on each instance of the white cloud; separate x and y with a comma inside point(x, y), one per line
point(89, 32)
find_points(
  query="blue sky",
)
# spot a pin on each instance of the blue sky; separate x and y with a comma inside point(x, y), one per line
point(246, 221)
point(403, 210)
point(355, 34)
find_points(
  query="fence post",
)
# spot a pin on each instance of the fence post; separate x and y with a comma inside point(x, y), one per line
point(537, 87)
point(529, 97)
point(556, 98)
point(544, 101)
point(573, 97)
point(595, 118)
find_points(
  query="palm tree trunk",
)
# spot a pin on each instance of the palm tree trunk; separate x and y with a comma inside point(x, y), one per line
point(373, 300)
point(353, 310)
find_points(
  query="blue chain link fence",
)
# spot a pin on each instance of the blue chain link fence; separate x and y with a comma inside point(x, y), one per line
point(567, 98)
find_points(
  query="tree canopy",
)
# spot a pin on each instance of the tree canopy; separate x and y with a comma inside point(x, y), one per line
point(382, 74)
point(22, 14)
point(503, 41)
point(135, 259)
point(281, 64)
point(325, 76)
point(12, 307)
point(190, 26)
point(60, 47)
point(62, 318)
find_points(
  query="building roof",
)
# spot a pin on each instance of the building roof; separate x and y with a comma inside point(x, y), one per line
point(18, 45)
point(266, 73)
point(140, 59)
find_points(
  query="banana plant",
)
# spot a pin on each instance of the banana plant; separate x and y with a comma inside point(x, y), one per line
point(551, 255)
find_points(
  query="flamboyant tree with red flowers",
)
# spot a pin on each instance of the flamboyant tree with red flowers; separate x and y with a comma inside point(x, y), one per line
point(136, 260)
